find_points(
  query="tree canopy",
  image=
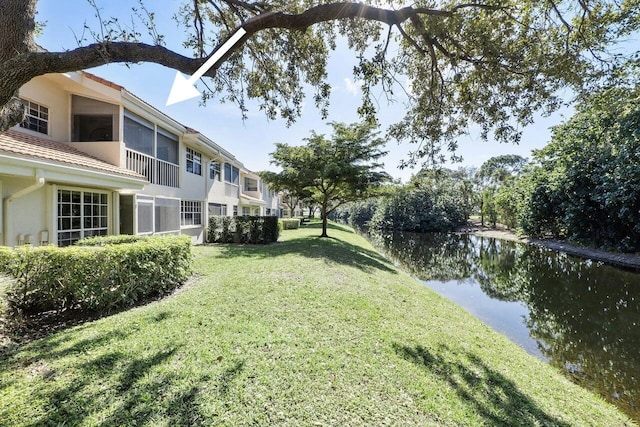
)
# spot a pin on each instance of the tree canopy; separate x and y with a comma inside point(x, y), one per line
point(585, 184)
point(335, 171)
point(494, 63)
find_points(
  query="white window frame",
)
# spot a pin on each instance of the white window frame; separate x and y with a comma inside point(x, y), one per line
point(215, 173)
point(28, 106)
point(194, 158)
point(190, 209)
point(82, 230)
point(223, 208)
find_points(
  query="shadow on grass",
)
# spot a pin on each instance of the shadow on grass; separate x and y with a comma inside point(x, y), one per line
point(330, 249)
point(31, 327)
point(99, 381)
point(136, 393)
point(330, 226)
point(489, 393)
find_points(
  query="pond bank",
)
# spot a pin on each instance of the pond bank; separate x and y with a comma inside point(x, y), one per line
point(501, 232)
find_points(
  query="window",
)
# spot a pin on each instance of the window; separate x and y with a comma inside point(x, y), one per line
point(37, 117)
point(216, 209)
point(191, 212)
point(92, 128)
point(167, 215)
point(250, 184)
point(194, 162)
point(94, 120)
point(214, 171)
point(138, 133)
point(267, 212)
point(235, 210)
point(145, 215)
point(246, 210)
point(81, 214)
point(231, 174)
point(167, 146)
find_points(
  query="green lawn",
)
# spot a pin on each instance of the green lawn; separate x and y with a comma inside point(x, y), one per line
point(306, 331)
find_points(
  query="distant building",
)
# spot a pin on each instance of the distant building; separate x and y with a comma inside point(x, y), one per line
point(93, 159)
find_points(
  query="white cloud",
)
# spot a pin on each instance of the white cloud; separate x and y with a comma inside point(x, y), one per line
point(351, 86)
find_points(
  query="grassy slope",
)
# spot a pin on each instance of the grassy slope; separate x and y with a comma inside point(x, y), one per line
point(303, 332)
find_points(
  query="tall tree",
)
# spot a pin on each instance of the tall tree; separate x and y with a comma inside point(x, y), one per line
point(498, 169)
point(491, 62)
point(586, 182)
point(336, 171)
point(490, 177)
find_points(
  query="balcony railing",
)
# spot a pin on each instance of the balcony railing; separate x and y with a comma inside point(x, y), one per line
point(155, 170)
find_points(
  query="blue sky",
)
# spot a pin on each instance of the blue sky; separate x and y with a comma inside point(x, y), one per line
point(251, 141)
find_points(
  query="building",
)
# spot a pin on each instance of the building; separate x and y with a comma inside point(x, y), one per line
point(93, 159)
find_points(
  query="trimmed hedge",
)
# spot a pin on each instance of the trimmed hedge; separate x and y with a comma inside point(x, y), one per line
point(243, 229)
point(95, 277)
point(110, 240)
point(290, 223)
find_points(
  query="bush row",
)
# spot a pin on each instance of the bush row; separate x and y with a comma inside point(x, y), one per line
point(243, 229)
point(100, 277)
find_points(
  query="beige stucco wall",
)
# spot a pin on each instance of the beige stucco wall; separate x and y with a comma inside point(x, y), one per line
point(196, 234)
point(41, 91)
point(111, 152)
point(27, 215)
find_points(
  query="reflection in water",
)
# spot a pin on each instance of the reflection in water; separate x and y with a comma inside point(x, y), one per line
point(584, 316)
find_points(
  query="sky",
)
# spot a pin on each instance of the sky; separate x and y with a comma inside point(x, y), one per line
point(252, 140)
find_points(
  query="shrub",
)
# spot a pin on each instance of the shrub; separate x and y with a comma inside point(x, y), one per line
point(100, 277)
point(419, 210)
point(109, 240)
point(290, 223)
point(243, 229)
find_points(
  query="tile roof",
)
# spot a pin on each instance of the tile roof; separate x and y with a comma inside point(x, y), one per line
point(25, 145)
point(102, 81)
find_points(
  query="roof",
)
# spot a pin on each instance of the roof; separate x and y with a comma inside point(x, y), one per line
point(101, 80)
point(22, 144)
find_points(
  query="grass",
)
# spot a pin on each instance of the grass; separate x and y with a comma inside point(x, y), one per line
point(306, 331)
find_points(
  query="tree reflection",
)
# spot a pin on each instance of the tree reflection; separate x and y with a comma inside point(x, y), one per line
point(430, 256)
point(584, 315)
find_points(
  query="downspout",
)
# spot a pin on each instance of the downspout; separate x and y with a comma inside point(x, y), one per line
point(8, 229)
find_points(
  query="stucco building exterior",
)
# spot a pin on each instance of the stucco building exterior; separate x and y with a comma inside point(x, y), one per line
point(91, 159)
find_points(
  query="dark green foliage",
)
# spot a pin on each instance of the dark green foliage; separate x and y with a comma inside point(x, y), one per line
point(243, 229)
point(356, 214)
point(362, 212)
point(102, 277)
point(493, 182)
point(419, 210)
point(434, 200)
point(586, 182)
point(488, 210)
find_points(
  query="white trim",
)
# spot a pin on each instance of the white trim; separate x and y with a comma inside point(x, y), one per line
point(12, 165)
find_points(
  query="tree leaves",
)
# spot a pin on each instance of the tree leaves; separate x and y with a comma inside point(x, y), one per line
point(333, 171)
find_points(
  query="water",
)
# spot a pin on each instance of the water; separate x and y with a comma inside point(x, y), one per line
point(582, 317)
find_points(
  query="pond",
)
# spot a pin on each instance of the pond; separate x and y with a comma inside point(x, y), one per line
point(581, 316)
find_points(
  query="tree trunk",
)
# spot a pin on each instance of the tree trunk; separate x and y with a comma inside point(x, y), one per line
point(323, 213)
point(17, 27)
